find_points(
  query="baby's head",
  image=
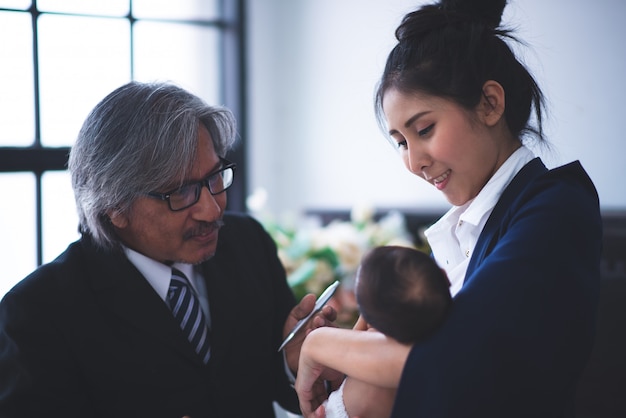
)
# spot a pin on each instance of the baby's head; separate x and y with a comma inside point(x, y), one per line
point(402, 292)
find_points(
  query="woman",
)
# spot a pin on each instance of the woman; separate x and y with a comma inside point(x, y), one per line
point(521, 244)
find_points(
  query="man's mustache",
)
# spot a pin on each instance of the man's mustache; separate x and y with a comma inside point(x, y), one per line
point(203, 228)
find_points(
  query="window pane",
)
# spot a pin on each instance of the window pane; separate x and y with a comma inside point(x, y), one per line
point(77, 71)
point(96, 7)
point(17, 106)
point(59, 218)
point(18, 249)
point(185, 54)
point(181, 9)
point(15, 4)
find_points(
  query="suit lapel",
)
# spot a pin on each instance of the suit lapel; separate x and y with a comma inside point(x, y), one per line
point(120, 287)
point(225, 295)
point(492, 228)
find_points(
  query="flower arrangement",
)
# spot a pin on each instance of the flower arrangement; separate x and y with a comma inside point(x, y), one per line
point(316, 254)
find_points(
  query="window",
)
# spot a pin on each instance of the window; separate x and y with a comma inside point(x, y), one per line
point(60, 57)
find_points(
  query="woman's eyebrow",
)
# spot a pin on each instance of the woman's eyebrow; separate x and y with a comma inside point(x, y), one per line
point(410, 121)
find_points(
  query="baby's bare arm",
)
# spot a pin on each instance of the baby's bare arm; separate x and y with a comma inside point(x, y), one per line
point(364, 400)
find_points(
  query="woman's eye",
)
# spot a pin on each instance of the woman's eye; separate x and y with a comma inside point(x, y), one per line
point(401, 144)
point(426, 130)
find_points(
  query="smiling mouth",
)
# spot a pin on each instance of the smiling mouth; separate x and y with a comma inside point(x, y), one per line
point(441, 178)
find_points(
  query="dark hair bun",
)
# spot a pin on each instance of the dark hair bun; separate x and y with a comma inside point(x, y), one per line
point(487, 11)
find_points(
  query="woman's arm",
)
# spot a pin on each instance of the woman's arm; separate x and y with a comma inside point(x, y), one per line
point(328, 353)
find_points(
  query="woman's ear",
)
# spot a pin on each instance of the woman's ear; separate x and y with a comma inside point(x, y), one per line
point(491, 107)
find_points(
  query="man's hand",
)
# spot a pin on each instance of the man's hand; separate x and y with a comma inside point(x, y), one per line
point(325, 317)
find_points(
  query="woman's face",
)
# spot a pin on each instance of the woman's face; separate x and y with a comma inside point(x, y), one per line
point(443, 143)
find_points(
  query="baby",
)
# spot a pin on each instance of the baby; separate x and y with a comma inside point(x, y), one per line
point(402, 293)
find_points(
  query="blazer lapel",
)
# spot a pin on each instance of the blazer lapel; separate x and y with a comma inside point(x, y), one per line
point(124, 291)
point(492, 228)
point(224, 280)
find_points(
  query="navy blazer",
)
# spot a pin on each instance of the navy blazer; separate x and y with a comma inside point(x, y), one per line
point(521, 328)
point(87, 336)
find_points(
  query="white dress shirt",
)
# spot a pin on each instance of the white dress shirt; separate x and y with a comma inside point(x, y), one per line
point(453, 237)
point(159, 276)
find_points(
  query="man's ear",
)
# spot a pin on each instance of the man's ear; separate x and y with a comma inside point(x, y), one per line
point(491, 107)
point(118, 218)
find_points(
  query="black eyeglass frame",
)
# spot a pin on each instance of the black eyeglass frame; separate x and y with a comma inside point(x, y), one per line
point(205, 182)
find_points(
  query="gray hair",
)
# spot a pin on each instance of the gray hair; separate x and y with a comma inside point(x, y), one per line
point(141, 137)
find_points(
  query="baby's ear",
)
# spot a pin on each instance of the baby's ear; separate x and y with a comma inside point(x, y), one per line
point(492, 105)
point(360, 324)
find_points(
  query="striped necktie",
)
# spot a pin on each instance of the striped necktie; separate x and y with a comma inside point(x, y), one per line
point(186, 309)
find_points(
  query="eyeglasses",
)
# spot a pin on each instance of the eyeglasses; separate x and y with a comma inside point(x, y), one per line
point(189, 194)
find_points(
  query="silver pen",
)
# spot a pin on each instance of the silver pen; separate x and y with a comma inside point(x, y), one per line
point(319, 304)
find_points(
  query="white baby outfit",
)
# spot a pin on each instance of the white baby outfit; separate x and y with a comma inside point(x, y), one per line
point(334, 406)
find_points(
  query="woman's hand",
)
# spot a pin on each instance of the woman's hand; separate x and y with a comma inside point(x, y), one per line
point(325, 317)
point(330, 353)
point(311, 383)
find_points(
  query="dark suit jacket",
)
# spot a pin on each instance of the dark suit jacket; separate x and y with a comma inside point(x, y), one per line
point(86, 336)
point(521, 328)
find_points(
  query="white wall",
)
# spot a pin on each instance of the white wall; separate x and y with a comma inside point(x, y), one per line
point(314, 142)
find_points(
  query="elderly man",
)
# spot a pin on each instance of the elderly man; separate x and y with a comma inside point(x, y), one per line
point(149, 314)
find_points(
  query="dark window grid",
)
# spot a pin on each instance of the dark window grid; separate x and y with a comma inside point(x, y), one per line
point(39, 159)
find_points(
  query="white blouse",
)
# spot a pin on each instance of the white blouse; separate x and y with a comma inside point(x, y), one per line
point(453, 237)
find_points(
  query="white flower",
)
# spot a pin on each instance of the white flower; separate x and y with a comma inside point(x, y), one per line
point(314, 255)
point(257, 201)
point(362, 213)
